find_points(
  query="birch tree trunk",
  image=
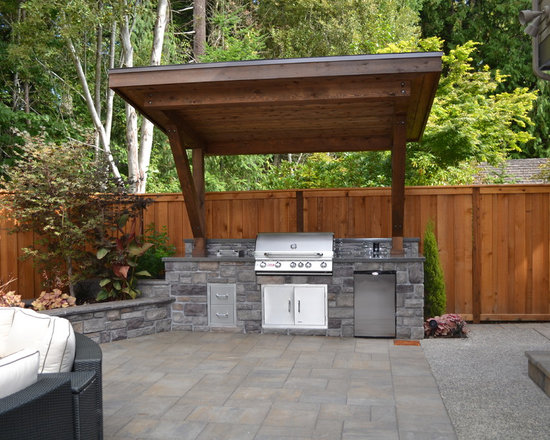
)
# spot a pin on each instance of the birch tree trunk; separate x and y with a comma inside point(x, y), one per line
point(97, 87)
point(199, 26)
point(146, 139)
point(131, 115)
point(110, 92)
point(104, 140)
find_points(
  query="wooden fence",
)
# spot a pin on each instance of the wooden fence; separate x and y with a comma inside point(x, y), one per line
point(494, 240)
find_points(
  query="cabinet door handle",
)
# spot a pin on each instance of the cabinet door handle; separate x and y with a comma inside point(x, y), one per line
point(298, 306)
point(220, 296)
point(222, 315)
point(289, 304)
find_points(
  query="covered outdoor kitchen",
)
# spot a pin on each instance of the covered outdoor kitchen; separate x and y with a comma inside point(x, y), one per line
point(299, 282)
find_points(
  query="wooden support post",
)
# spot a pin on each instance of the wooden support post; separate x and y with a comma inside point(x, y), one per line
point(189, 191)
point(476, 255)
point(398, 183)
point(199, 250)
point(299, 211)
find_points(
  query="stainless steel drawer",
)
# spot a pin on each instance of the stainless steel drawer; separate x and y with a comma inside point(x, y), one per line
point(223, 294)
point(222, 316)
point(222, 305)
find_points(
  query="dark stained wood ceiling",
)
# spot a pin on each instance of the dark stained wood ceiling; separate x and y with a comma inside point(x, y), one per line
point(347, 103)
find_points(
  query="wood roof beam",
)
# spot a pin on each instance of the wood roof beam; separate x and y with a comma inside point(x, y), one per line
point(398, 158)
point(188, 136)
point(300, 145)
point(187, 183)
point(294, 92)
point(347, 65)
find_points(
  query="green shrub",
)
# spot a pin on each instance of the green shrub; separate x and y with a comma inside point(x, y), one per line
point(151, 260)
point(435, 299)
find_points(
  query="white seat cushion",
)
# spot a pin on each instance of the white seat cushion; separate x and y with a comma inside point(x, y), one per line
point(27, 330)
point(60, 347)
point(52, 336)
point(18, 370)
point(6, 319)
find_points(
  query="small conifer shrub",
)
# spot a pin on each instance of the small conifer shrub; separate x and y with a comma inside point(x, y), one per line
point(435, 299)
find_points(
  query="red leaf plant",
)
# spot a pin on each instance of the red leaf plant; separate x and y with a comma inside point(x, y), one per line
point(446, 326)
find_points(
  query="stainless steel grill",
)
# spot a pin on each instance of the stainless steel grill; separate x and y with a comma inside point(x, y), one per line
point(295, 253)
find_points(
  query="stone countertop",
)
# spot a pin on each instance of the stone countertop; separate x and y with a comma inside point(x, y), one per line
point(209, 259)
point(391, 259)
point(109, 305)
point(336, 260)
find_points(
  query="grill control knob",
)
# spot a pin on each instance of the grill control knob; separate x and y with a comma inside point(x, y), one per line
point(323, 264)
point(308, 264)
point(300, 264)
point(278, 264)
point(293, 264)
point(263, 264)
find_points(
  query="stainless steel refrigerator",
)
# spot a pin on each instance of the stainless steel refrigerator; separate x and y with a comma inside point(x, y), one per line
point(374, 303)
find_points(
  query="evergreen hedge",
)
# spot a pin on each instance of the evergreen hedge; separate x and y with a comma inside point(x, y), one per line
point(435, 299)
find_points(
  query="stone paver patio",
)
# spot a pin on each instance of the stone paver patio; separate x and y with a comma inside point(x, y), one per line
point(221, 386)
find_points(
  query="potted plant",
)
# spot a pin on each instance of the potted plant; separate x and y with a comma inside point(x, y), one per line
point(120, 257)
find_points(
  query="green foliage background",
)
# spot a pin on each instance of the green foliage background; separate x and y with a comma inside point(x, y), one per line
point(489, 105)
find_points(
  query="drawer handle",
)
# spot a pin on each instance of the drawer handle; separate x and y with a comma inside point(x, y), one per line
point(222, 315)
point(288, 306)
point(220, 296)
point(298, 306)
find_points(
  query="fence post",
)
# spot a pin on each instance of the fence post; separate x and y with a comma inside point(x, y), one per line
point(299, 211)
point(476, 254)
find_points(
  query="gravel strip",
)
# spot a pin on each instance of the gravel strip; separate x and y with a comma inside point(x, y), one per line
point(484, 383)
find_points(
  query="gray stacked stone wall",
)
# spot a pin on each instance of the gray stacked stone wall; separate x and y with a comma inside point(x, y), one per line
point(362, 247)
point(112, 321)
point(188, 279)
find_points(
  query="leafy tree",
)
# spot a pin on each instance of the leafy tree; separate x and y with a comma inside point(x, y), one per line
point(302, 28)
point(75, 43)
point(539, 146)
point(470, 120)
point(504, 46)
point(327, 170)
point(232, 36)
point(68, 200)
point(435, 299)
point(494, 23)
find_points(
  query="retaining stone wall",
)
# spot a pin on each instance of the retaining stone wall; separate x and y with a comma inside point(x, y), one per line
point(112, 321)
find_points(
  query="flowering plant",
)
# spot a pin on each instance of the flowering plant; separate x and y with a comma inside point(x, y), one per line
point(446, 326)
point(53, 300)
point(9, 298)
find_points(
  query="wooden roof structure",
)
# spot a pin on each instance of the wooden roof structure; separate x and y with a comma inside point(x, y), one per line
point(302, 105)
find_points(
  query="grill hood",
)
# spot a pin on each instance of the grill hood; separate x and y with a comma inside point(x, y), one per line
point(294, 253)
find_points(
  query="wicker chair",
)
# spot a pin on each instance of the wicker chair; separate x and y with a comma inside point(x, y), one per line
point(88, 357)
point(42, 410)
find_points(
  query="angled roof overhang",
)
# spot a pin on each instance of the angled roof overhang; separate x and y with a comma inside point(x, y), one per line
point(345, 103)
point(330, 104)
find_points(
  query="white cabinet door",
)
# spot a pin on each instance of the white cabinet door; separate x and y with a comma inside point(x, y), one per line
point(278, 305)
point(294, 306)
point(310, 305)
